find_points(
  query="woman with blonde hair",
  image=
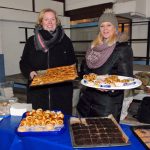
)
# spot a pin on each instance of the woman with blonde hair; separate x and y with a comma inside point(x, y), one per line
point(49, 47)
point(109, 54)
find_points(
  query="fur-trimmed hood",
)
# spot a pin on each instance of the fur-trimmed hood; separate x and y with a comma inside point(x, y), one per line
point(123, 37)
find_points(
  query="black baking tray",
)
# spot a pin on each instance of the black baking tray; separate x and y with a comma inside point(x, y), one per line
point(133, 128)
point(127, 142)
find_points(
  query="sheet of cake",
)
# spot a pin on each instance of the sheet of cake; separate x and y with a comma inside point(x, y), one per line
point(97, 132)
point(143, 134)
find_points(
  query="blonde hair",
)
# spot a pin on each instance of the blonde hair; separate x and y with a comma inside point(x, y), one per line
point(41, 15)
point(100, 40)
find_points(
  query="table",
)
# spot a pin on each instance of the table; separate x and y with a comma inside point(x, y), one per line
point(10, 141)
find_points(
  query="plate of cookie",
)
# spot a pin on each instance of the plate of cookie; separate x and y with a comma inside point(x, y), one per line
point(40, 122)
point(110, 82)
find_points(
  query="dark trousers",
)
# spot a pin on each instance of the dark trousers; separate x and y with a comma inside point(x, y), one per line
point(53, 97)
point(94, 103)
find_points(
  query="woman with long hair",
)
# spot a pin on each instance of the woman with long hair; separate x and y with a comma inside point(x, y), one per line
point(109, 54)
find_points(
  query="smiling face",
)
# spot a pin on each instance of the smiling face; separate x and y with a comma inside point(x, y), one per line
point(107, 30)
point(49, 22)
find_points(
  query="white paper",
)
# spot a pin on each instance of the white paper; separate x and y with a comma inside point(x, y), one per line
point(18, 109)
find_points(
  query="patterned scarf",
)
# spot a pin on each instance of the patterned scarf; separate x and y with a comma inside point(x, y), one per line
point(44, 45)
point(98, 55)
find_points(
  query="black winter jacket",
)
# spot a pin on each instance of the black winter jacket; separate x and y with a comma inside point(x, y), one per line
point(60, 55)
point(96, 103)
point(56, 96)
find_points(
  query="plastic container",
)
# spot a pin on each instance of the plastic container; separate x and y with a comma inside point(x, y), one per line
point(6, 89)
point(56, 131)
point(5, 105)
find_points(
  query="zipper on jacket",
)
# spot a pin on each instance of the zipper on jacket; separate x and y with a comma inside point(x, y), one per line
point(49, 103)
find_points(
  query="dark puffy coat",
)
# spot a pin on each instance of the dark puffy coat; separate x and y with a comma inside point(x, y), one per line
point(96, 103)
point(56, 96)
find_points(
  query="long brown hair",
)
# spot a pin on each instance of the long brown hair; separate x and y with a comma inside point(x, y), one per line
point(41, 15)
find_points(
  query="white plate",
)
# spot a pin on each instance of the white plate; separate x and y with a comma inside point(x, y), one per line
point(134, 83)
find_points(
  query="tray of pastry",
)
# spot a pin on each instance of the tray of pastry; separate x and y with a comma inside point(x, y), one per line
point(142, 132)
point(96, 132)
point(55, 75)
point(40, 122)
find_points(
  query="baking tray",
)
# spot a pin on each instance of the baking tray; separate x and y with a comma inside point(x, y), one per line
point(133, 128)
point(40, 133)
point(58, 79)
point(102, 143)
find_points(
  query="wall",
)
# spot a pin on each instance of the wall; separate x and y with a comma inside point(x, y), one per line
point(75, 4)
point(47, 3)
point(139, 31)
point(83, 34)
point(12, 49)
point(17, 4)
point(19, 13)
point(147, 8)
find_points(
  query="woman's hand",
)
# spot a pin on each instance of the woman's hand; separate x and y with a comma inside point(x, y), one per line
point(33, 74)
point(103, 90)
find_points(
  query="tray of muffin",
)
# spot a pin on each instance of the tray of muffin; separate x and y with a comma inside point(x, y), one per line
point(41, 122)
point(55, 75)
point(142, 132)
point(96, 132)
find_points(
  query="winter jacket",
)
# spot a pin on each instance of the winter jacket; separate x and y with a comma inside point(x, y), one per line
point(96, 103)
point(51, 96)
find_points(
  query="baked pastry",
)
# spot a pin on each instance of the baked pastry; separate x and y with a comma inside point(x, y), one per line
point(55, 75)
point(37, 120)
point(49, 127)
point(22, 129)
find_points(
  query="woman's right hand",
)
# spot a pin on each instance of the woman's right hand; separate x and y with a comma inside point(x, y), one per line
point(33, 74)
point(103, 90)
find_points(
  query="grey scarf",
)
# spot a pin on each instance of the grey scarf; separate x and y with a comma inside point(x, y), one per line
point(44, 44)
point(97, 56)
